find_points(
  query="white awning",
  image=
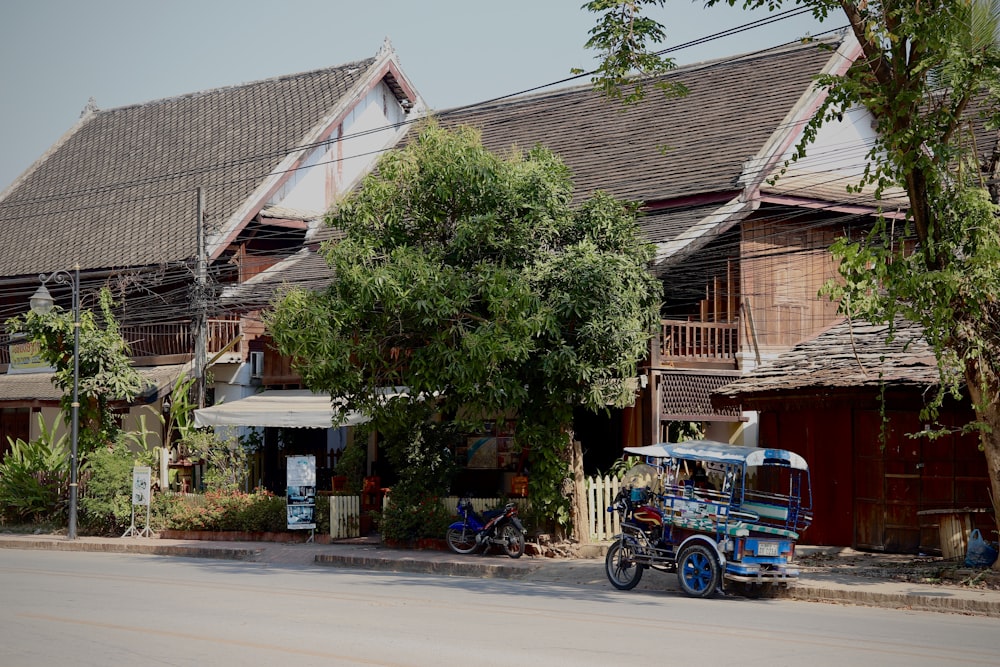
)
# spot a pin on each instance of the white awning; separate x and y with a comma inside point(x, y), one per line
point(289, 408)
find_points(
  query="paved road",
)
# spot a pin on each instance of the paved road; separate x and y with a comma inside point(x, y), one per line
point(840, 584)
point(120, 609)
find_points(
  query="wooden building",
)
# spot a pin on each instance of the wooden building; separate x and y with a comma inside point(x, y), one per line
point(850, 403)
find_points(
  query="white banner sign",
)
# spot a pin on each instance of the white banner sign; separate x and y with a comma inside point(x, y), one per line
point(300, 492)
point(140, 485)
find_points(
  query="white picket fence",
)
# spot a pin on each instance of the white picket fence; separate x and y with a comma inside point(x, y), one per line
point(345, 516)
point(601, 492)
point(345, 511)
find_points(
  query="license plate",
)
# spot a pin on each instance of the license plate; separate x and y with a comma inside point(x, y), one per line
point(767, 548)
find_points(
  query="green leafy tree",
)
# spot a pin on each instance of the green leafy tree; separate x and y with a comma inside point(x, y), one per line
point(926, 71)
point(469, 278)
point(623, 36)
point(106, 373)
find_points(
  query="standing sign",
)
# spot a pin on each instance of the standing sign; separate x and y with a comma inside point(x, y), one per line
point(141, 494)
point(140, 485)
point(301, 493)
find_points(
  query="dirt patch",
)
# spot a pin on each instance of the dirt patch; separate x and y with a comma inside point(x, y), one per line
point(902, 567)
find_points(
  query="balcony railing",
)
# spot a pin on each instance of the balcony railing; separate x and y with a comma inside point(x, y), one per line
point(167, 339)
point(697, 342)
point(175, 338)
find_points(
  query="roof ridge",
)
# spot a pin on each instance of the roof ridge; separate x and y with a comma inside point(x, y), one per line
point(832, 41)
point(358, 64)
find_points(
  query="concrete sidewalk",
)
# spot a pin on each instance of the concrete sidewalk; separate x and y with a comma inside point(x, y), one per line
point(817, 583)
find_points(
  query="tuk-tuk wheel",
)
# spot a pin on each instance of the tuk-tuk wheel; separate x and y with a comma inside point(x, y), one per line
point(619, 564)
point(698, 571)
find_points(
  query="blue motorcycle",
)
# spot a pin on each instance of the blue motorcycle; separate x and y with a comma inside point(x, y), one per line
point(500, 527)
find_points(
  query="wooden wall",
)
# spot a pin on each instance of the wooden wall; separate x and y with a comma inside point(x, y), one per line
point(868, 492)
point(783, 266)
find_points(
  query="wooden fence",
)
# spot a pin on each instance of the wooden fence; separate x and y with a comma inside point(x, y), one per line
point(601, 492)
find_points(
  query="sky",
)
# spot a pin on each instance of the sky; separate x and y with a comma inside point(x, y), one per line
point(57, 54)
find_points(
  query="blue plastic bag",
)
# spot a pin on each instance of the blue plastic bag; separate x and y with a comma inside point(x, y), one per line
point(981, 553)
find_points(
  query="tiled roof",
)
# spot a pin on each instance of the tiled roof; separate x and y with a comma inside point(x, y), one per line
point(38, 386)
point(732, 109)
point(306, 269)
point(849, 355)
point(660, 148)
point(119, 189)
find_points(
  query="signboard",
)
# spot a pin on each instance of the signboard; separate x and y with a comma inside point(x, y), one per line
point(141, 496)
point(300, 493)
point(140, 485)
point(26, 357)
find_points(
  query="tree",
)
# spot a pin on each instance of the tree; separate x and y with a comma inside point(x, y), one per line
point(926, 71)
point(469, 279)
point(106, 373)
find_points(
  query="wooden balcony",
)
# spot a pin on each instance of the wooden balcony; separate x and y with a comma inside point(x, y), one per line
point(168, 343)
point(696, 344)
point(173, 341)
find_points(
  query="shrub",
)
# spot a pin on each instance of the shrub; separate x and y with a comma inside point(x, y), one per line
point(260, 511)
point(34, 479)
point(226, 460)
point(106, 502)
point(406, 519)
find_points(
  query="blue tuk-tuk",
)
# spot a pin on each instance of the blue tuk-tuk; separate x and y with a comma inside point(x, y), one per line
point(715, 513)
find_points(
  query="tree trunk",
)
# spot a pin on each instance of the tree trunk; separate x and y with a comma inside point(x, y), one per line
point(990, 441)
point(581, 524)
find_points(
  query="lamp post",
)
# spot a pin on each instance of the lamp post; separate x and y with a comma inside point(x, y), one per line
point(41, 303)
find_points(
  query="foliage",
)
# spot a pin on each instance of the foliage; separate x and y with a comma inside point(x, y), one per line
point(623, 465)
point(226, 466)
point(106, 501)
point(409, 517)
point(352, 465)
point(106, 373)
point(181, 416)
point(679, 431)
point(469, 279)
point(260, 511)
point(34, 478)
point(419, 448)
point(621, 37)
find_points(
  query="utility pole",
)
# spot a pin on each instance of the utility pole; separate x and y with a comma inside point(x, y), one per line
point(200, 321)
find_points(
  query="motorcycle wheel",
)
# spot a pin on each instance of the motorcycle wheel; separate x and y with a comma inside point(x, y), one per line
point(623, 573)
point(698, 571)
point(461, 540)
point(513, 541)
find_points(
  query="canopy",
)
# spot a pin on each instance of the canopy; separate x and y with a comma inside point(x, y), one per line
point(709, 450)
point(294, 408)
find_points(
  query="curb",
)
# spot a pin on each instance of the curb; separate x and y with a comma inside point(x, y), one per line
point(893, 600)
point(223, 553)
point(416, 566)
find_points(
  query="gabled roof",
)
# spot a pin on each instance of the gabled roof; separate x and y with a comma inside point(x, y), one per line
point(850, 355)
point(687, 156)
point(662, 148)
point(119, 189)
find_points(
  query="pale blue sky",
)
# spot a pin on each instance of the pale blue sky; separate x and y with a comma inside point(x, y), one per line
point(56, 54)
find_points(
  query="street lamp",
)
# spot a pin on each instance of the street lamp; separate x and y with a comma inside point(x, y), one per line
point(41, 303)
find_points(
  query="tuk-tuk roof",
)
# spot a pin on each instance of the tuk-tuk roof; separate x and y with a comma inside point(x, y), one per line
point(710, 450)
